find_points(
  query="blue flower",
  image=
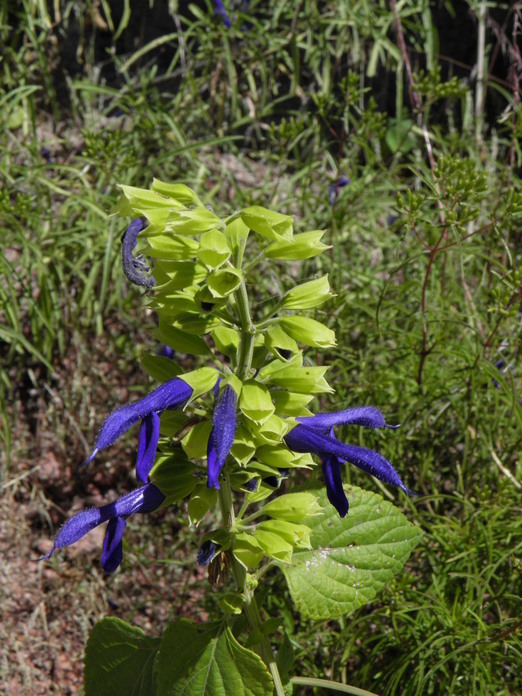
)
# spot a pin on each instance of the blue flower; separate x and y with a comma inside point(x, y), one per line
point(144, 499)
point(315, 435)
point(206, 552)
point(333, 190)
point(222, 434)
point(133, 266)
point(220, 11)
point(172, 394)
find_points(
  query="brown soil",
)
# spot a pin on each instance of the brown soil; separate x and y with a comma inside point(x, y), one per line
point(47, 608)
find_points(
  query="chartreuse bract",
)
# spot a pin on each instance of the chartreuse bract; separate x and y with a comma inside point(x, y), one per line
point(224, 436)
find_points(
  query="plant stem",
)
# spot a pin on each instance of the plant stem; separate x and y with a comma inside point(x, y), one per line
point(249, 601)
point(331, 685)
point(245, 353)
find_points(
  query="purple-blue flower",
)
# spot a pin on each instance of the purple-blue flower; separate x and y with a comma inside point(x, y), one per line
point(206, 552)
point(144, 499)
point(222, 434)
point(333, 190)
point(220, 11)
point(133, 267)
point(315, 435)
point(173, 394)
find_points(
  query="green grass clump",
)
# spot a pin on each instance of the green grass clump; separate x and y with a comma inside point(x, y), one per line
point(425, 261)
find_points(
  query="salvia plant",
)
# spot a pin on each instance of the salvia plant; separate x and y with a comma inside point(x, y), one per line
point(223, 438)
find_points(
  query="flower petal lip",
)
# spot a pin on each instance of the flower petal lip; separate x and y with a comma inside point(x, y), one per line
point(144, 499)
point(305, 439)
point(367, 416)
point(172, 394)
point(334, 485)
point(222, 434)
point(112, 551)
point(147, 445)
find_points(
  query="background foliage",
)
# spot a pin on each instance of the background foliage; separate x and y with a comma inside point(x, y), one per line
point(418, 105)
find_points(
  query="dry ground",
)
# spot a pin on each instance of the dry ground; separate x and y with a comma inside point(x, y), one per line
point(47, 608)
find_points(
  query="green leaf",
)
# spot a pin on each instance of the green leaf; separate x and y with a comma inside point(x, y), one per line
point(120, 659)
point(308, 331)
point(174, 476)
point(268, 223)
point(213, 249)
point(398, 135)
point(248, 550)
point(201, 380)
point(279, 343)
point(303, 246)
point(352, 559)
point(291, 404)
point(172, 303)
point(201, 501)
point(160, 368)
point(308, 295)
point(171, 247)
point(223, 281)
point(305, 380)
point(294, 507)
point(181, 341)
point(255, 401)
point(208, 661)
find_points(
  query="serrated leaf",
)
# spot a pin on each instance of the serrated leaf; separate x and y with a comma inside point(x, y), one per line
point(352, 559)
point(206, 661)
point(119, 659)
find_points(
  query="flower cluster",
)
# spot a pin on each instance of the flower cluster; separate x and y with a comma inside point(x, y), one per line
point(257, 429)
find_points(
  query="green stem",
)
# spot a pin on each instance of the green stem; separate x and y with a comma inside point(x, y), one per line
point(249, 601)
point(332, 685)
point(248, 329)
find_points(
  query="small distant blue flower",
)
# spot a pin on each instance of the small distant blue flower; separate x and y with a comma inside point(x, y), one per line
point(315, 435)
point(167, 352)
point(333, 190)
point(222, 434)
point(206, 552)
point(220, 11)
